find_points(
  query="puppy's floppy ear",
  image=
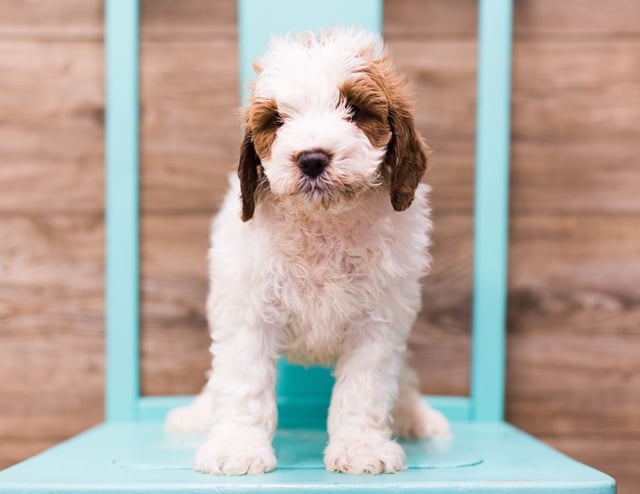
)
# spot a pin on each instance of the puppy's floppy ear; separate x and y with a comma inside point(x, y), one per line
point(406, 155)
point(249, 176)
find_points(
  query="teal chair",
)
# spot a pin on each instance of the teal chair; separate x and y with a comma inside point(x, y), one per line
point(130, 452)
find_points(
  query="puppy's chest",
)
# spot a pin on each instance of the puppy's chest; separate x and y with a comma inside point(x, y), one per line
point(325, 269)
point(326, 281)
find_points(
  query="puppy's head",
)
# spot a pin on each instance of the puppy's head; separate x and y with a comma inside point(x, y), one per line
point(328, 118)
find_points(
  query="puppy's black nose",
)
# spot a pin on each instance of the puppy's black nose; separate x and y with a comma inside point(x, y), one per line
point(312, 163)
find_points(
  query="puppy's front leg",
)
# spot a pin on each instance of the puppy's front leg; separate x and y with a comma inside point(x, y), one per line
point(242, 387)
point(365, 389)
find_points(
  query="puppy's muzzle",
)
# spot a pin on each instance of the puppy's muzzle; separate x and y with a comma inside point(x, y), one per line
point(312, 163)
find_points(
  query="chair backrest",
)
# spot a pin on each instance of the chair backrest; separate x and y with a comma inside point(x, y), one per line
point(306, 392)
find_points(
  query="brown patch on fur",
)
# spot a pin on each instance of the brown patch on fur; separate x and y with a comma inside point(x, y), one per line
point(407, 154)
point(262, 120)
point(367, 95)
point(406, 157)
point(377, 90)
point(249, 174)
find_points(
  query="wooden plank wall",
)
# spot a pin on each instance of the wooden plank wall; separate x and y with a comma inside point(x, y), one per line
point(574, 296)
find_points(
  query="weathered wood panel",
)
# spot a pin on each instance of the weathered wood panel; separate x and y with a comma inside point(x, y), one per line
point(44, 19)
point(51, 336)
point(577, 19)
point(574, 324)
point(51, 126)
point(83, 19)
point(430, 19)
point(190, 124)
point(175, 339)
point(164, 19)
point(189, 19)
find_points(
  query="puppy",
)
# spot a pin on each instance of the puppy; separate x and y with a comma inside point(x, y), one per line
point(317, 254)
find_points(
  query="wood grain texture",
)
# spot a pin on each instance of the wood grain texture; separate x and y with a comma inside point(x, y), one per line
point(73, 20)
point(189, 19)
point(574, 324)
point(569, 19)
point(573, 369)
point(51, 310)
point(190, 126)
point(175, 339)
point(51, 20)
point(51, 126)
point(583, 19)
point(430, 19)
point(51, 330)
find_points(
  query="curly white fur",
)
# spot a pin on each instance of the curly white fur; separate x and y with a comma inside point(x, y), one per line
point(325, 278)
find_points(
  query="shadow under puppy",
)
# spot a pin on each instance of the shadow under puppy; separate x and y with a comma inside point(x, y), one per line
point(317, 254)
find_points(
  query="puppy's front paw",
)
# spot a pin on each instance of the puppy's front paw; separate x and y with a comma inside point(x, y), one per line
point(362, 455)
point(420, 421)
point(237, 454)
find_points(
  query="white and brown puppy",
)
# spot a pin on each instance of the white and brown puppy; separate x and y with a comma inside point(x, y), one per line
point(317, 254)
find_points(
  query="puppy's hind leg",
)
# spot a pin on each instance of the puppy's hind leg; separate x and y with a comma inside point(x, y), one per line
point(412, 417)
point(193, 418)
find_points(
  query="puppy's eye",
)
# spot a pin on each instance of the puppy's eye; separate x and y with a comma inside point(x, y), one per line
point(354, 113)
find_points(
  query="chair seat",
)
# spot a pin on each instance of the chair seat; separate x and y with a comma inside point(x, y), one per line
point(136, 457)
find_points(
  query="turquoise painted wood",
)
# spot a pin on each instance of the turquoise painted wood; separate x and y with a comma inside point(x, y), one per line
point(122, 280)
point(258, 20)
point(488, 458)
point(131, 453)
point(491, 211)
